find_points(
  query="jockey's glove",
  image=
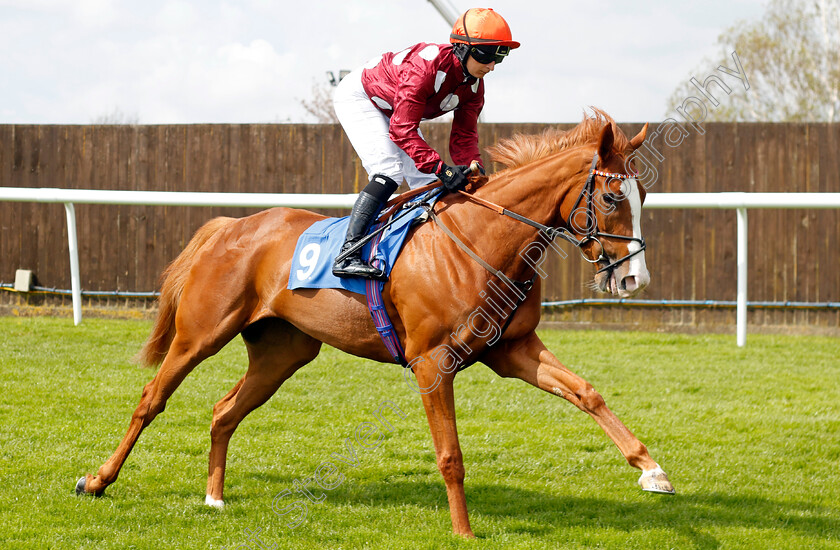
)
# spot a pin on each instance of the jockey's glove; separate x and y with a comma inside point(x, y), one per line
point(453, 177)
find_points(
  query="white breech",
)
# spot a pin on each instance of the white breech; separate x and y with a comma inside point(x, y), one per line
point(367, 128)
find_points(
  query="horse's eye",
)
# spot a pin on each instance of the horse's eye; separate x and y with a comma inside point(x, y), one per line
point(610, 198)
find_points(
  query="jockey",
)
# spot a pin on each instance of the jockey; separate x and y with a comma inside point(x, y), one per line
point(380, 107)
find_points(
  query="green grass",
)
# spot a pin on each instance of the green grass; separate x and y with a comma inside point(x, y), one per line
point(750, 438)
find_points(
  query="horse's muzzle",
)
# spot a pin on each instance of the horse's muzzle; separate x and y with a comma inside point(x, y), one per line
point(626, 279)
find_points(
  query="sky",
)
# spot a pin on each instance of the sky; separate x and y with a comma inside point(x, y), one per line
point(254, 61)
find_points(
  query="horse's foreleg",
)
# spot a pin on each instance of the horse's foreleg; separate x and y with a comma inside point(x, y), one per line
point(529, 360)
point(440, 411)
point(275, 351)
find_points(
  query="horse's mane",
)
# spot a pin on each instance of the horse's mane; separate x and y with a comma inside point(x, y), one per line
point(523, 149)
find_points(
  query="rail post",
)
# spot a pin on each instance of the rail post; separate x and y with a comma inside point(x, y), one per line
point(73, 246)
point(741, 307)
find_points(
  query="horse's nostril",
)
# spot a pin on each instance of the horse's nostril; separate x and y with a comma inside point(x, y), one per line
point(629, 283)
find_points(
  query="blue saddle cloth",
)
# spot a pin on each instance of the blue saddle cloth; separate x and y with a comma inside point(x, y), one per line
point(318, 246)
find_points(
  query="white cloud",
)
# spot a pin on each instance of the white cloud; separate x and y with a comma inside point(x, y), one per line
point(243, 79)
point(177, 16)
point(253, 60)
point(89, 13)
point(95, 13)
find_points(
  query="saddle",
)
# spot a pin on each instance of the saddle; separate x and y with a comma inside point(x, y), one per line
point(318, 246)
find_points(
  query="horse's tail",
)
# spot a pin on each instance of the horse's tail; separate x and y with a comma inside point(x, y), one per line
point(173, 279)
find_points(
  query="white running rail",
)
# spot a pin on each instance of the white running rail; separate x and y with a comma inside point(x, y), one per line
point(738, 201)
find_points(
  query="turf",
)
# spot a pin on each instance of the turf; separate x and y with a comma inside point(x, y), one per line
point(750, 438)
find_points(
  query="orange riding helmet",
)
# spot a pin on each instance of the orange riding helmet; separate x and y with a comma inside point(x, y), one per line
point(480, 26)
point(482, 34)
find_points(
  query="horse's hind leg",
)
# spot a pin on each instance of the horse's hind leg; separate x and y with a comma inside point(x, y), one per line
point(528, 359)
point(276, 350)
point(191, 345)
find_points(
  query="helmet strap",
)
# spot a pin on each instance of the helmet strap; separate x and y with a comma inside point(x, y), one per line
point(464, 24)
point(462, 52)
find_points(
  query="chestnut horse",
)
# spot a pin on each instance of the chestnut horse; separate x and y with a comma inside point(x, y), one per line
point(232, 278)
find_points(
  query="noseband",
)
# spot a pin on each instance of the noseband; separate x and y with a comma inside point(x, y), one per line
point(593, 233)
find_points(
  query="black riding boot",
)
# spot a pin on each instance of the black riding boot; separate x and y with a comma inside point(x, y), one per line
point(364, 211)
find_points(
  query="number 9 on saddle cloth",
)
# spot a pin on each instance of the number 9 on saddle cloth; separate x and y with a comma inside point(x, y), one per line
point(318, 246)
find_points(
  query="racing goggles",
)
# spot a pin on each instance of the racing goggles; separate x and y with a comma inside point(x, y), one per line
point(487, 54)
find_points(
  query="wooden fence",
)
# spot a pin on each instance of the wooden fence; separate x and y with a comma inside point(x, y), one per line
point(794, 255)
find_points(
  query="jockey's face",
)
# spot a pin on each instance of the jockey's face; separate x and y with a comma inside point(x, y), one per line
point(479, 70)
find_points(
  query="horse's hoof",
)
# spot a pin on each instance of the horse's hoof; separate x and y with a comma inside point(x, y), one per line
point(656, 481)
point(80, 485)
point(210, 501)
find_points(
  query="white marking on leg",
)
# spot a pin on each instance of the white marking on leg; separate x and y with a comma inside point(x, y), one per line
point(210, 501)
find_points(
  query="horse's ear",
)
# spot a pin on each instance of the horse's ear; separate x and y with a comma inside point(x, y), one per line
point(637, 141)
point(605, 142)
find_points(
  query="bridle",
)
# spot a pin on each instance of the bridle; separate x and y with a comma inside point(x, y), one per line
point(593, 234)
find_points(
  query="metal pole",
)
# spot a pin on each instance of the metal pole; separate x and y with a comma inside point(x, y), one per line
point(445, 11)
point(741, 308)
point(72, 241)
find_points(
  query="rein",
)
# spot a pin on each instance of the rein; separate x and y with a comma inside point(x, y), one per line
point(523, 287)
point(479, 260)
point(592, 235)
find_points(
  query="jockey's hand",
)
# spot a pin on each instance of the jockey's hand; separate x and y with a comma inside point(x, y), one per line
point(453, 177)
